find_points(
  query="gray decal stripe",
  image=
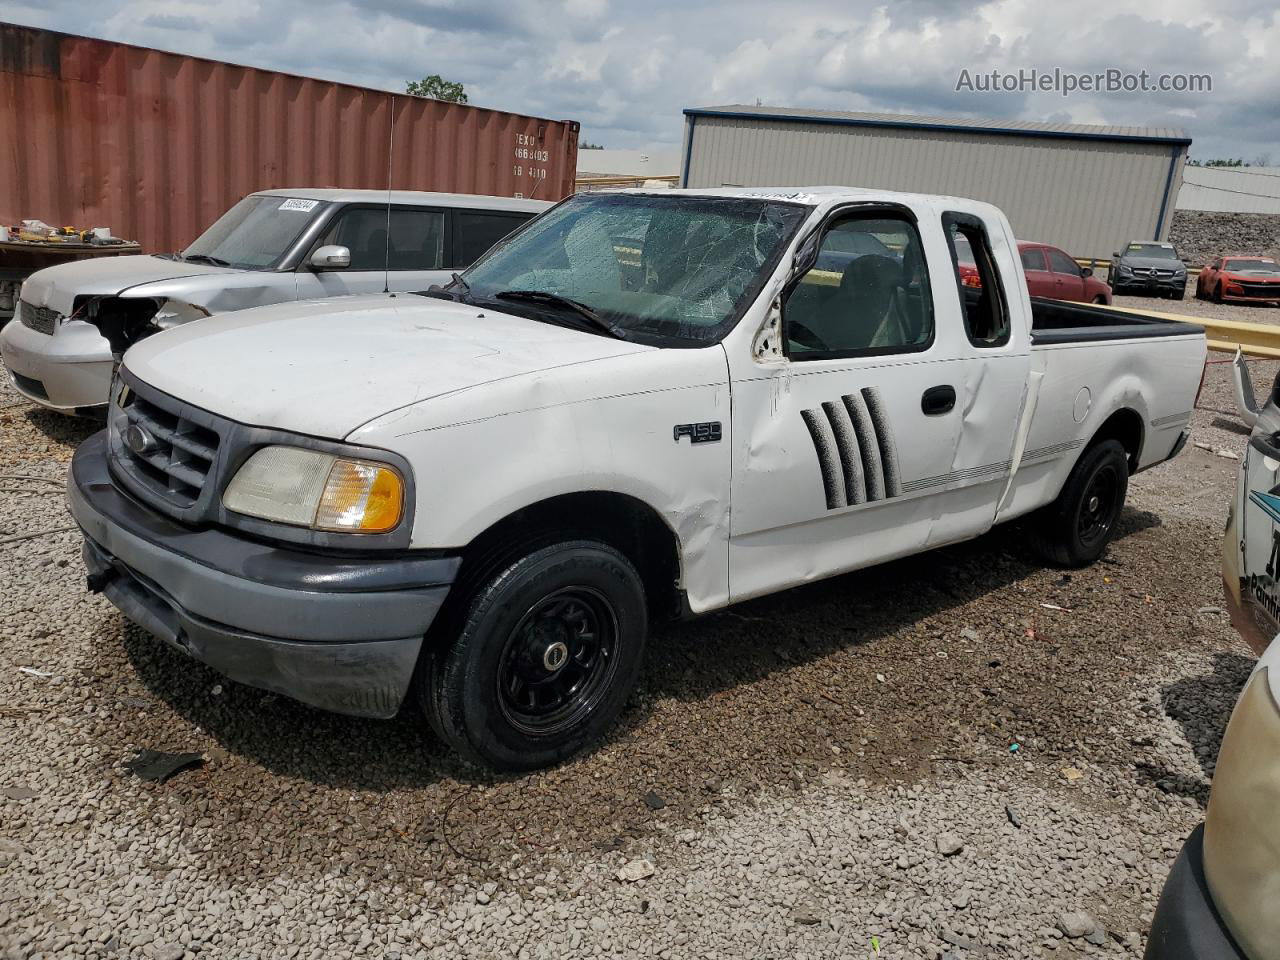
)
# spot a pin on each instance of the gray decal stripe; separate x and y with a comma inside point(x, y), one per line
point(971, 473)
point(1171, 419)
point(855, 489)
point(872, 471)
point(884, 437)
point(1051, 450)
point(825, 446)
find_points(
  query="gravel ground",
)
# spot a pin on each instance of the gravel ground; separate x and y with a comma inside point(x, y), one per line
point(920, 759)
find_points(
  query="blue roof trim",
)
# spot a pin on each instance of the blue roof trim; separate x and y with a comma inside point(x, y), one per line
point(925, 125)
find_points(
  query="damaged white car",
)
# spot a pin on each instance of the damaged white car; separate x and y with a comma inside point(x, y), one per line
point(271, 247)
point(644, 404)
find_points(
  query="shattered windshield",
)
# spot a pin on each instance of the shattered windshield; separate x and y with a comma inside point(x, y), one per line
point(675, 270)
point(256, 233)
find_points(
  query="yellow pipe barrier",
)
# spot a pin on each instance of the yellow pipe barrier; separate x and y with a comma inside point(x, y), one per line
point(1224, 336)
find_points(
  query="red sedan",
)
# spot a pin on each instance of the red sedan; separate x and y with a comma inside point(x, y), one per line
point(1242, 278)
point(1050, 273)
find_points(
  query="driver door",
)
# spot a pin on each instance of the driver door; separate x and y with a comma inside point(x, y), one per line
point(841, 448)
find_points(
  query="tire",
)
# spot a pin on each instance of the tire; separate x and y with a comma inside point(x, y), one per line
point(540, 658)
point(1100, 300)
point(1180, 294)
point(1075, 529)
point(1217, 294)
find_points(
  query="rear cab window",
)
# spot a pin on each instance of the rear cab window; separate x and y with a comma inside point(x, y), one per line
point(985, 306)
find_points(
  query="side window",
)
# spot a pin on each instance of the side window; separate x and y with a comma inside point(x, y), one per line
point(1032, 259)
point(417, 240)
point(986, 311)
point(867, 293)
point(1059, 262)
point(363, 231)
point(474, 233)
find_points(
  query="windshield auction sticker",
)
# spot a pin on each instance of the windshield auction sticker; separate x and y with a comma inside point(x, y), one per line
point(303, 206)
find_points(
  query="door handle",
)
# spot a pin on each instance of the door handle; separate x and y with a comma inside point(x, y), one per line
point(938, 400)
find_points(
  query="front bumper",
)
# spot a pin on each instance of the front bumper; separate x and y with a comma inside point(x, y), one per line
point(1139, 286)
point(1187, 925)
point(68, 370)
point(338, 632)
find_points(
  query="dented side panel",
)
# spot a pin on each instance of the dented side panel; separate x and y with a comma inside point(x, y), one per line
point(608, 425)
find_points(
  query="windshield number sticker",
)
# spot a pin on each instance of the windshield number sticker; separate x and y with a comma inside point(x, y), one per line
point(303, 206)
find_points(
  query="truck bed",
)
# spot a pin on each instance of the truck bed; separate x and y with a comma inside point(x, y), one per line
point(1057, 321)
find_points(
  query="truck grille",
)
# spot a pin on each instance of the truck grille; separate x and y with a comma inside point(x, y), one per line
point(40, 319)
point(167, 453)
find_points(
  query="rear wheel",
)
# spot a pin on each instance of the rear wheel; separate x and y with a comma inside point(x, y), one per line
point(543, 656)
point(1075, 529)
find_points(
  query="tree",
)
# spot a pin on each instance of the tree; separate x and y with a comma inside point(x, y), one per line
point(435, 87)
point(590, 146)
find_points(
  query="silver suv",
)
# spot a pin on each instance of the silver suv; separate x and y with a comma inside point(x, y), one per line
point(272, 246)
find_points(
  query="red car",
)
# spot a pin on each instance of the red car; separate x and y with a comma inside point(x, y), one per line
point(1050, 273)
point(1244, 278)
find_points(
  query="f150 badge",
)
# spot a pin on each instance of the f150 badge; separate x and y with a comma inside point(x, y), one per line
point(708, 432)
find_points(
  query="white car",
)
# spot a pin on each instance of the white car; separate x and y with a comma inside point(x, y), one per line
point(271, 247)
point(643, 404)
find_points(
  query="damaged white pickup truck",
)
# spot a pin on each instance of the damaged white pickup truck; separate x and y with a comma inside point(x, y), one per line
point(640, 405)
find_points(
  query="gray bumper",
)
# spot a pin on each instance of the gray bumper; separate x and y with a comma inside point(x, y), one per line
point(338, 632)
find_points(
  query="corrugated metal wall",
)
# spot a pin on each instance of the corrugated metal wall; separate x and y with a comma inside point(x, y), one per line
point(1086, 196)
point(1231, 189)
point(156, 145)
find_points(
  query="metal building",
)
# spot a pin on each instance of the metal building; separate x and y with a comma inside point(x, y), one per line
point(1084, 188)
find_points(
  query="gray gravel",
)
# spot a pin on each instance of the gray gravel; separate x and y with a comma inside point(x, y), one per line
point(922, 754)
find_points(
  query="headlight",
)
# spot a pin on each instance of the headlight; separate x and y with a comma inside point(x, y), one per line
point(307, 488)
point(1241, 845)
point(1124, 268)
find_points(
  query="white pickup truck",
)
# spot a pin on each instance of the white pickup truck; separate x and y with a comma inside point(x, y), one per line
point(642, 404)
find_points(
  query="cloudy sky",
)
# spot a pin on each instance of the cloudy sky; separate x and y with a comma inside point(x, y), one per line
point(625, 69)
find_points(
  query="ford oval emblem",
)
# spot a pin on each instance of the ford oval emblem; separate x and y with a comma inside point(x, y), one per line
point(139, 440)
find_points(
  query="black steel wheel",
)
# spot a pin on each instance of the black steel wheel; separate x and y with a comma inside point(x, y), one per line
point(537, 657)
point(558, 661)
point(1075, 529)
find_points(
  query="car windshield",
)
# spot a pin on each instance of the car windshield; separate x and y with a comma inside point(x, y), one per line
point(256, 233)
point(1259, 266)
point(1155, 251)
point(675, 271)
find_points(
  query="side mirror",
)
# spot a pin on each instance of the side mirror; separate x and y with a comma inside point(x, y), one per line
point(1115, 254)
point(1086, 271)
point(331, 257)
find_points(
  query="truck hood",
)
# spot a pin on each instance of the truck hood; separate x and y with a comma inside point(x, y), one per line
point(57, 287)
point(324, 367)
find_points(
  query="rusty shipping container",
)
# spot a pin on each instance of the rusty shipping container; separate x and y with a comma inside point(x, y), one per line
point(157, 145)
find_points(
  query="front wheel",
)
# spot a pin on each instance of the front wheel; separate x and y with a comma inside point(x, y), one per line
point(1075, 529)
point(547, 651)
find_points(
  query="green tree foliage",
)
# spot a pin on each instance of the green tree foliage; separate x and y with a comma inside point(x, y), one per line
point(435, 87)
